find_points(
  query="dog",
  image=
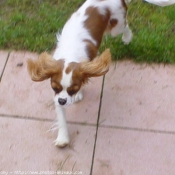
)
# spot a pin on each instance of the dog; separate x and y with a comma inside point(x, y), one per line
point(75, 58)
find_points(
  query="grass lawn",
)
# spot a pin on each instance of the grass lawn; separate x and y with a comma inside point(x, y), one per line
point(32, 25)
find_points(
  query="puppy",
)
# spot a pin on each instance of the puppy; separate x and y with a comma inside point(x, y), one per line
point(75, 59)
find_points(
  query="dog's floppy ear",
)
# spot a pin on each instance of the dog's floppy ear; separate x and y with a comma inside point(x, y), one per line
point(42, 68)
point(99, 66)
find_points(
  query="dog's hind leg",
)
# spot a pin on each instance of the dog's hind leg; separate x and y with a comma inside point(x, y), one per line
point(120, 26)
point(127, 35)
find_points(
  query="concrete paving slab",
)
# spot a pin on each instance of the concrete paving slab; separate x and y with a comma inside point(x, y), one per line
point(137, 124)
point(26, 146)
point(23, 97)
point(126, 152)
point(139, 96)
point(20, 96)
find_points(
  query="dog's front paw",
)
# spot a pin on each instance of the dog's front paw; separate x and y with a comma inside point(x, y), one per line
point(62, 141)
point(79, 96)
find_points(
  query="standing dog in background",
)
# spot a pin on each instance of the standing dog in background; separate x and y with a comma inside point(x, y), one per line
point(75, 59)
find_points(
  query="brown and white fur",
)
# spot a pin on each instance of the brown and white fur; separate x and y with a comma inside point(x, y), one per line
point(75, 59)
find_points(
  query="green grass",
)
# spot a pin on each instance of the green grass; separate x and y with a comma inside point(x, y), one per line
point(32, 25)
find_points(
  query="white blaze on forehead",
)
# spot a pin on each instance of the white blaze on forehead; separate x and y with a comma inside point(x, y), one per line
point(66, 79)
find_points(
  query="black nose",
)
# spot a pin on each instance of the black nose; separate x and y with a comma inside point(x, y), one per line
point(62, 101)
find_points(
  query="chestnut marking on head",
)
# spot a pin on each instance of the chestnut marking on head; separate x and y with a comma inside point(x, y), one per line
point(67, 78)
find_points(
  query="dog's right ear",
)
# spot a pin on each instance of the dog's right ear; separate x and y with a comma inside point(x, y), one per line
point(42, 68)
point(97, 67)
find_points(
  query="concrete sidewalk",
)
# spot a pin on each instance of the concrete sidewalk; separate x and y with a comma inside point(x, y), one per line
point(135, 135)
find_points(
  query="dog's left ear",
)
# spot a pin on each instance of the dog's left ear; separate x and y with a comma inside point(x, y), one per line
point(99, 66)
point(42, 68)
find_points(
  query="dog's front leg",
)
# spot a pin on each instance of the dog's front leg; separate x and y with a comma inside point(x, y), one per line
point(63, 135)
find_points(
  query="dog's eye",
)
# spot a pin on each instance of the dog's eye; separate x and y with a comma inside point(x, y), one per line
point(56, 87)
point(73, 90)
point(57, 90)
